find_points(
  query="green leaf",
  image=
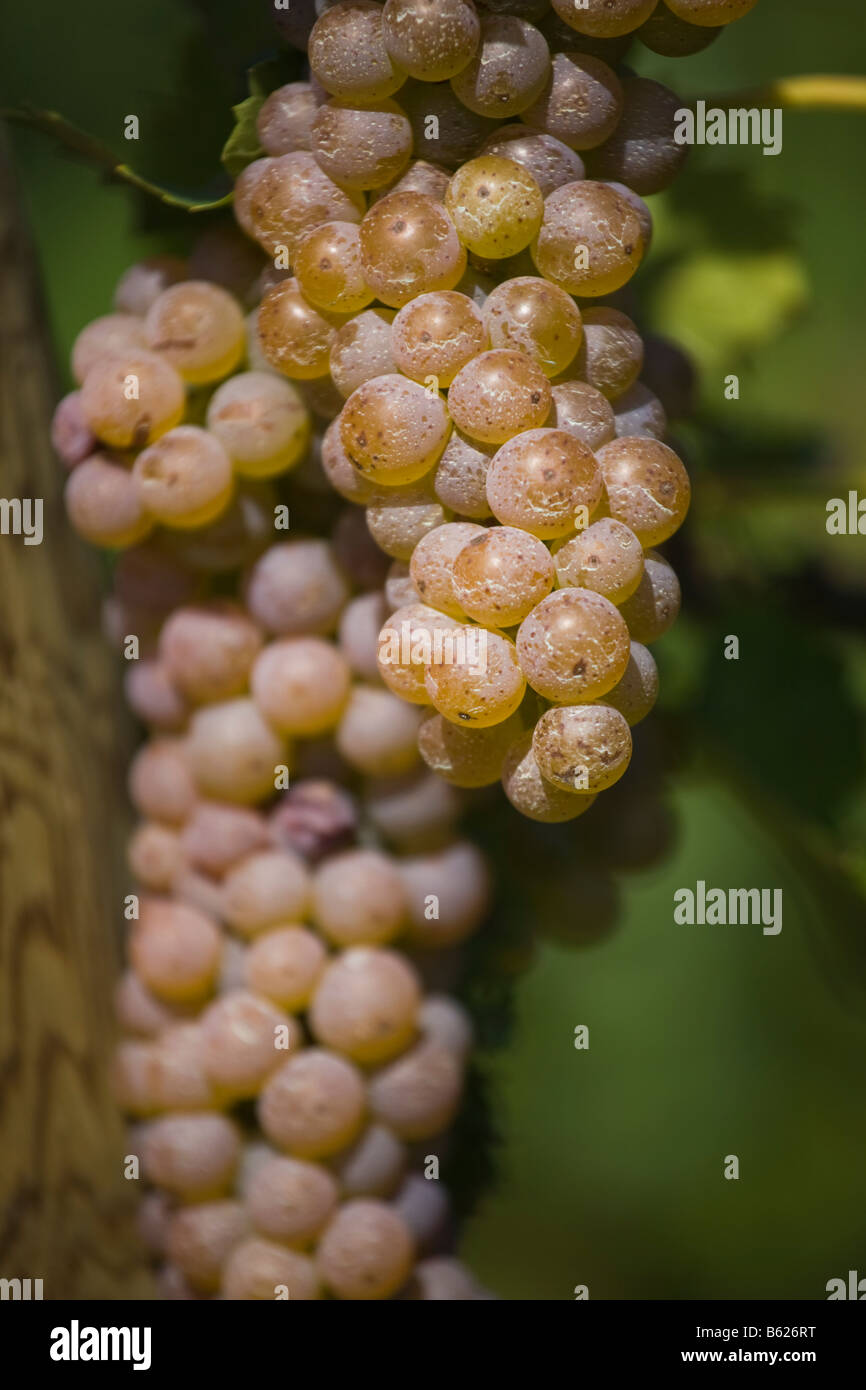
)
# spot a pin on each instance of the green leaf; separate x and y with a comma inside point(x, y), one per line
point(243, 145)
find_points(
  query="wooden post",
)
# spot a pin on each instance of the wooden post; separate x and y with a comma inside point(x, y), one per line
point(66, 1211)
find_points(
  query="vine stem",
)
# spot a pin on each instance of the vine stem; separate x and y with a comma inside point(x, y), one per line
point(807, 92)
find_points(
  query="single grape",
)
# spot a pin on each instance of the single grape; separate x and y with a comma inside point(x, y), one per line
point(160, 783)
point(582, 410)
point(366, 1004)
point(329, 273)
point(636, 693)
point(640, 414)
point(366, 1252)
point(497, 395)
point(358, 898)
point(393, 429)
point(313, 1105)
point(500, 575)
point(582, 748)
point(647, 487)
point(581, 102)
point(431, 565)
point(655, 604)
point(374, 1164)
point(245, 1038)
point(418, 1094)
point(217, 835)
point(154, 856)
point(112, 335)
point(152, 696)
point(361, 147)
point(301, 685)
point(284, 964)
point(607, 558)
point(185, 479)
point(71, 437)
point(466, 757)
point(279, 199)
point(710, 12)
point(104, 502)
point(444, 130)
point(199, 1239)
point(131, 398)
point(209, 649)
point(544, 481)
point(316, 817)
point(460, 482)
point(266, 889)
point(233, 752)
point(348, 56)
point(378, 732)
point(604, 19)
point(297, 588)
point(643, 152)
point(457, 879)
point(174, 950)
point(530, 315)
point(290, 1200)
point(286, 116)
point(508, 71)
point(479, 681)
point(399, 517)
point(409, 246)
point(531, 794)
point(611, 354)
point(404, 645)
point(419, 176)
point(260, 1270)
point(296, 336)
point(194, 1156)
point(573, 646)
point(199, 328)
point(139, 286)
point(495, 205)
point(361, 350)
point(590, 241)
point(261, 422)
point(550, 162)
point(431, 40)
point(435, 335)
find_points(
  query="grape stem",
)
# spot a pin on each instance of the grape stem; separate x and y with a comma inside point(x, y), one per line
point(806, 92)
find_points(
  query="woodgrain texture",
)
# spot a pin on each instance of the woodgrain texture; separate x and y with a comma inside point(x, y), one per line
point(66, 1211)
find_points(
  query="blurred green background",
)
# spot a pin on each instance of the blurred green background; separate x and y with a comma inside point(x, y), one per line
point(704, 1041)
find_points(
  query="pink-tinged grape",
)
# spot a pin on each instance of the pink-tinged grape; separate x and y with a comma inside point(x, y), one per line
point(531, 794)
point(495, 205)
point(655, 603)
point(281, 198)
point(437, 334)
point(105, 505)
point(643, 152)
point(550, 162)
point(444, 130)
point(640, 414)
point(604, 19)
point(409, 246)
point(431, 41)
point(301, 686)
point(153, 697)
point(208, 650)
point(366, 1252)
point(530, 315)
point(285, 964)
point(313, 1105)
point(647, 487)
point(404, 645)
point(399, 517)
point(362, 350)
point(71, 436)
point(418, 1094)
point(233, 752)
point(441, 1278)
point(590, 242)
point(340, 471)
point(290, 1200)
point(178, 1075)
point(366, 1004)
point(636, 693)
point(244, 1039)
point(185, 478)
point(607, 558)
point(399, 589)
point(358, 634)
point(140, 1012)
point(456, 881)
point(200, 891)
point(297, 589)
point(508, 71)
point(710, 12)
point(128, 400)
point(460, 482)
point(296, 336)
point(420, 176)
point(217, 835)
point(611, 354)
point(316, 817)
point(538, 480)
point(583, 748)
point(175, 950)
point(582, 410)
point(415, 813)
point(140, 285)
point(155, 1210)
point(499, 394)
point(198, 327)
point(483, 683)
point(445, 1021)
point(378, 731)
point(581, 102)
point(393, 430)
point(358, 898)
point(431, 565)
point(194, 1156)
point(200, 1239)
point(112, 335)
point(154, 856)
point(374, 1164)
point(261, 422)
point(132, 1078)
point(361, 147)
point(266, 889)
point(329, 272)
point(466, 757)
point(573, 646)
point(348, 56)
point(285, 118)
point(500, 575)
point(260, 1270)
